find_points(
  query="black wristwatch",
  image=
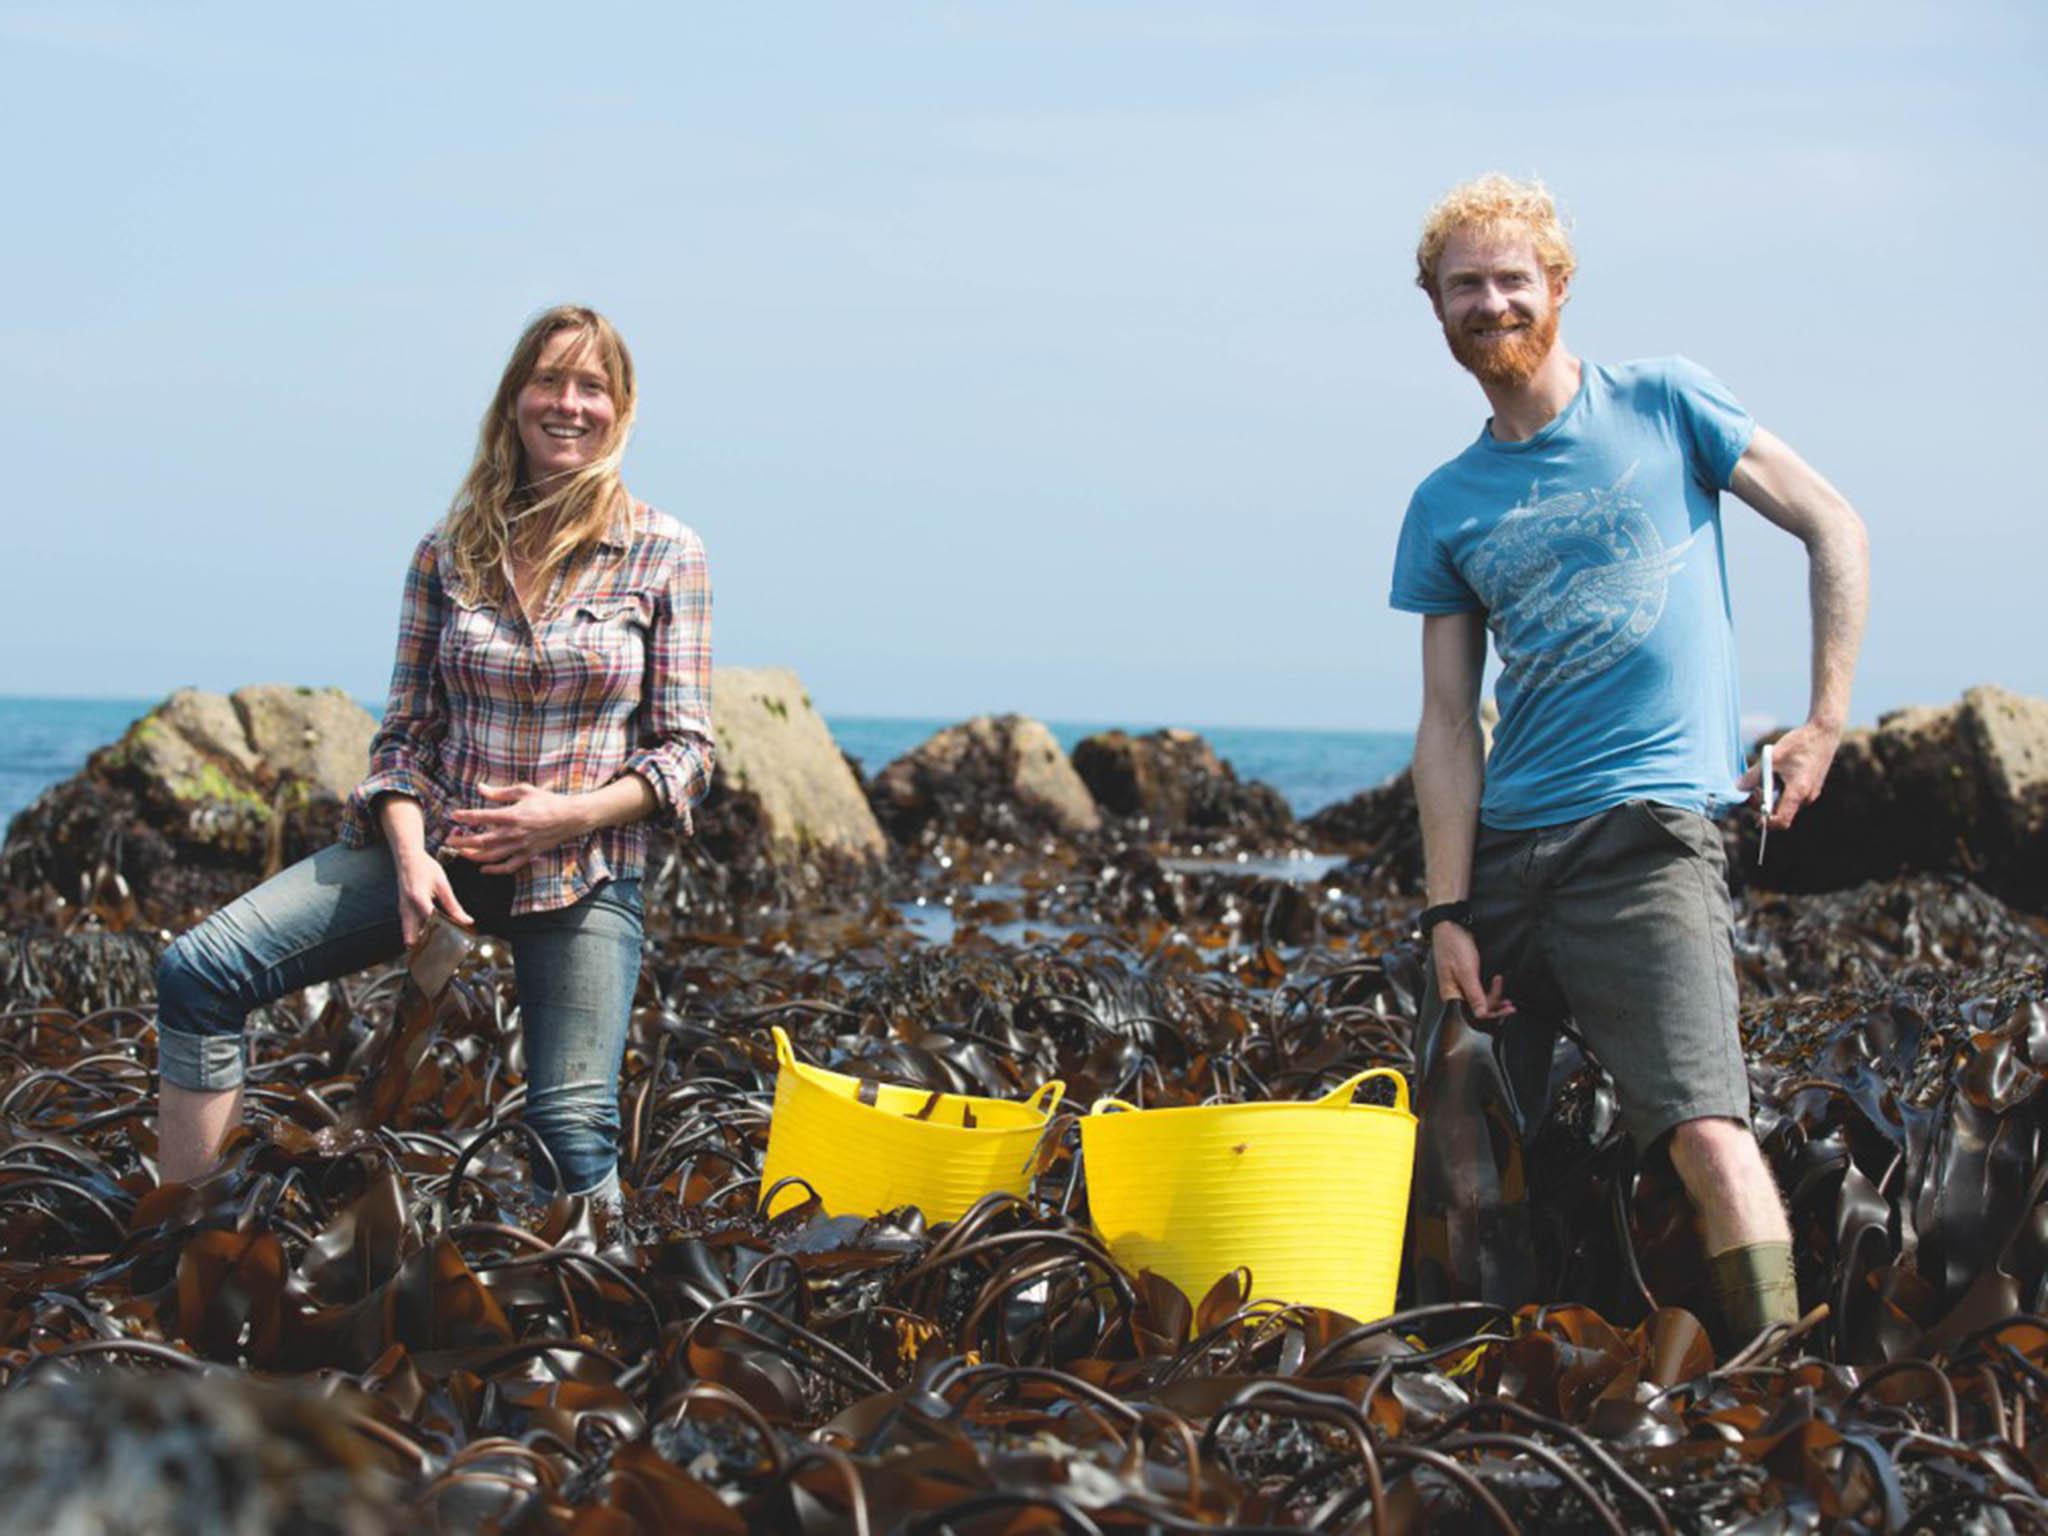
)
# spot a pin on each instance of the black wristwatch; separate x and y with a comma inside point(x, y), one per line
point(1459, 912)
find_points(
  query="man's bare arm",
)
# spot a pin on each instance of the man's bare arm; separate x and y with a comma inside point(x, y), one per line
point(1450, 769)
point(1449, 762)
point(1791, 493)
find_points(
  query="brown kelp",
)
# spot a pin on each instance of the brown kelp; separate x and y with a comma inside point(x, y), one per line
point(499, 1359)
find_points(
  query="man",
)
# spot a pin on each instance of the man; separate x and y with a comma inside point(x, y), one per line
point(1576, 866)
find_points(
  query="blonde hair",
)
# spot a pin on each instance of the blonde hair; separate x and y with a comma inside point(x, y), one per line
point(1492, 203)
point(496, 512)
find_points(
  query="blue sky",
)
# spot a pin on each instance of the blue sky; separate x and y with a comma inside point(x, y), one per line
point(1053, 357)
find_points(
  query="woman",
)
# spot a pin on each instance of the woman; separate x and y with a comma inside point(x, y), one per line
point(552, 692)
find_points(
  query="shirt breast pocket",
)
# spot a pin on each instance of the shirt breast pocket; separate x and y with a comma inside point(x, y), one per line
point(475, 650)
point(604, 647)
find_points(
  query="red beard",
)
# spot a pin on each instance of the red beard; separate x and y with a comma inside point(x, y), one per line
point(1509, 360)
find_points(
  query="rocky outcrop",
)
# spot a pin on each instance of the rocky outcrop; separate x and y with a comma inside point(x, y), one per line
point(1380, 828)
point(206, 793)
point(994, 778)
point(1962, 788)
point(196, 801)
point(1172, 782)
point(780, 773)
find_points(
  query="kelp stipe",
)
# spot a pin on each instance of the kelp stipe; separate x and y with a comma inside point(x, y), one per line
point(1470, 1235)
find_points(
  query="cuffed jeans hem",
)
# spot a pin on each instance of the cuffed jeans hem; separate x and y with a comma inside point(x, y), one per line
point(201, 1063)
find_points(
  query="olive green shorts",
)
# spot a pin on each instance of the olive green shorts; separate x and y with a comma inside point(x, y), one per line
point(1621, 924)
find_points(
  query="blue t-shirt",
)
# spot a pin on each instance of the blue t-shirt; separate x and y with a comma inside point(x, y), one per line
point(1594, 550)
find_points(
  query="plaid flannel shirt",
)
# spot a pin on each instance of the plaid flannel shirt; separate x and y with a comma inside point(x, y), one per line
point(614, 678)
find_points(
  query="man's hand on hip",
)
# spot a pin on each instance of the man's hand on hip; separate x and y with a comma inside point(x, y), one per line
point(1800, 758)
point(1456, 954)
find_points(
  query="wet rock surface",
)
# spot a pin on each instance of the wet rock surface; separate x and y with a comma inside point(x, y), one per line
point(1171, 784)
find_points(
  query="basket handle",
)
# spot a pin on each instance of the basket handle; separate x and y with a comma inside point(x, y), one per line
point(1103, 1106)
point(785, 1053)
point(1341, 1094)
point(1047, 1096)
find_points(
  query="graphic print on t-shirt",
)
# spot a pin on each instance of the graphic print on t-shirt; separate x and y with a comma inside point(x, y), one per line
point(1572, 582)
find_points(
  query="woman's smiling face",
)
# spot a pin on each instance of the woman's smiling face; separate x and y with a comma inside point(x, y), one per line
point(565, 411)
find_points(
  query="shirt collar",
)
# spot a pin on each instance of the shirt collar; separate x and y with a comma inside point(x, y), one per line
point(619, 536)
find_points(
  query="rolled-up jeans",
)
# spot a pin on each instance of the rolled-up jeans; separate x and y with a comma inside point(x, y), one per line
point(337, 912)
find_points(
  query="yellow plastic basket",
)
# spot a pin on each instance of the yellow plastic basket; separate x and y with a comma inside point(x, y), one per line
point(1311, 1197)
point(865, 1158)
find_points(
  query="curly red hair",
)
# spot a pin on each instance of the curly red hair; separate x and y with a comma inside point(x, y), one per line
point(1494, 202)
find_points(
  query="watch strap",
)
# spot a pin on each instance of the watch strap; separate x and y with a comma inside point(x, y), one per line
point(1459, 912)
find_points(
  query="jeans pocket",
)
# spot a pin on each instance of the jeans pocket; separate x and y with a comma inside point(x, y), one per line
point(1689, 830)
point(622, 895)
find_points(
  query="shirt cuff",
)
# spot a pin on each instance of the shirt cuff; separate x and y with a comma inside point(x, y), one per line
point(679, 773)
point(398, 780)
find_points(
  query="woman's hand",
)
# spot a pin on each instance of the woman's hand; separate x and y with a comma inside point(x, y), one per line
point(522, 822)
point(422, 887)
point(422, 882)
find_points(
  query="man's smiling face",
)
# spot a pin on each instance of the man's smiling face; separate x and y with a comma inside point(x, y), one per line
point(1497, 305)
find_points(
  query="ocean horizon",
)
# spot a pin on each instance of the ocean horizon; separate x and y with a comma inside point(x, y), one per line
point(44, 741)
